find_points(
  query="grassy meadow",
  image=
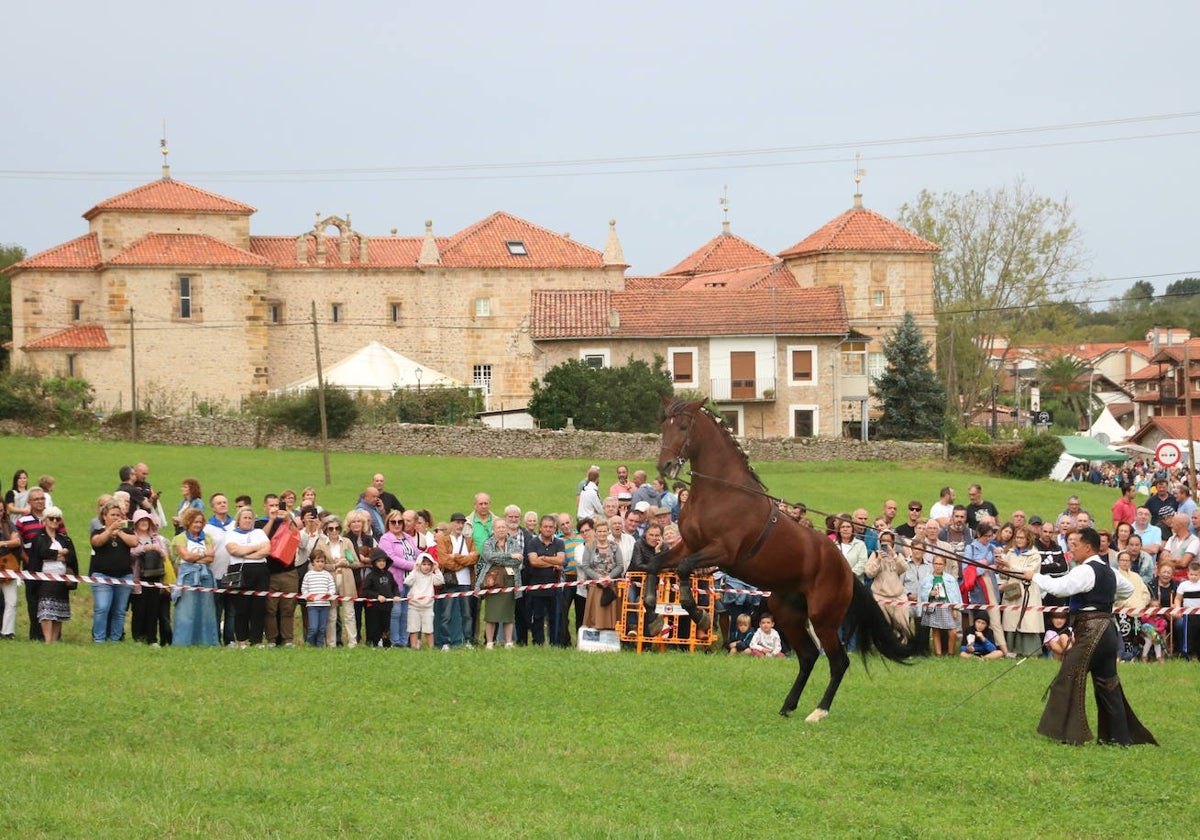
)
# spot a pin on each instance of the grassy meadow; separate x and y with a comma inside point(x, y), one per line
point(127, 741)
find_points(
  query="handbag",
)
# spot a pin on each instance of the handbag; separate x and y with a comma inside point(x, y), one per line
point(232, 579)
point(494, 579)
point(284, 544)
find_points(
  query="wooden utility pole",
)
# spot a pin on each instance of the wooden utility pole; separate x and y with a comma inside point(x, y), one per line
point(1187, 407)
point(132, 381)
point(321, 396)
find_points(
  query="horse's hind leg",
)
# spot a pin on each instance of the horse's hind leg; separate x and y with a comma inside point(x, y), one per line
point(792, 617)
point(652, 624)
point(839, 663)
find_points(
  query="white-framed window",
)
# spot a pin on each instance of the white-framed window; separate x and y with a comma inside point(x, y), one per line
point(516, 248)
point(185, 295)
point(481, 378)
point(594, 358)
point(483, 307)
point(337, 313)
point(876, 365)
point(682, 362)
point(802, 364)
point(879, 298)
point(854, 358)
point(804, 420)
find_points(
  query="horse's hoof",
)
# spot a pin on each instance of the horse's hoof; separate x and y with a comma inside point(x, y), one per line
point(785, 713)
point(654, 627)
point(817, 716)
point(705, 623)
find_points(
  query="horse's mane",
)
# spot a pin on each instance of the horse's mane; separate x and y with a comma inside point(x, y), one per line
point(679, 406)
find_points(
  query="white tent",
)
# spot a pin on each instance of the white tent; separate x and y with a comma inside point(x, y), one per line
point(376, 368)
point(1106, 429)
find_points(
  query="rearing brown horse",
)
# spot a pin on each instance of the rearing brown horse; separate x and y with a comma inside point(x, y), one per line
point(730, 522)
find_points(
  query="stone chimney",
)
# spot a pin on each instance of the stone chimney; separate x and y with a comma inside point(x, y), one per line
point(429, 249)
point(613, 254)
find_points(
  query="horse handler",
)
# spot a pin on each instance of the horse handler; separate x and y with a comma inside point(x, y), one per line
point(1092, 587)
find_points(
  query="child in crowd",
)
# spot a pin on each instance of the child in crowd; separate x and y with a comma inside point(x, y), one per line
point(317, 581)
point(766, 642)
point(981, 643)
point(380, 590)
point(1059, 637)
point(739, 641)
point(421, 582)
point(1187, 594)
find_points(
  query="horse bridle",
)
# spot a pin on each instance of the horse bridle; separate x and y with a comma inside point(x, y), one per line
point(679, 458)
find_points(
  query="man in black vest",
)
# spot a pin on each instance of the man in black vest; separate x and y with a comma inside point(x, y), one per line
point(1092, 586)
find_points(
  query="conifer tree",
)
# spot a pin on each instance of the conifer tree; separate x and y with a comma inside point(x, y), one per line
point(913, 400)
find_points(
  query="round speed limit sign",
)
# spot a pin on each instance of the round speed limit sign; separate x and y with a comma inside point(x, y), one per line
point(1168, 454)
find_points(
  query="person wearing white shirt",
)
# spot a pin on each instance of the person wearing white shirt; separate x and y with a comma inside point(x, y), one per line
point(1092, 587)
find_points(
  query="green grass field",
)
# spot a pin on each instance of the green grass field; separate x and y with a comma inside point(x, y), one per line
point(85, 469)
point(126, 741)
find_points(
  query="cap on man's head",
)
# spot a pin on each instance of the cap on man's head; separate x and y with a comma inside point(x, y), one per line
point(661, 511)
point(1035, 520)
point(458, 517)
point(642, 507)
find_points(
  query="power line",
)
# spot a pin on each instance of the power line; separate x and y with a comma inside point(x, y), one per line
point(442, 172)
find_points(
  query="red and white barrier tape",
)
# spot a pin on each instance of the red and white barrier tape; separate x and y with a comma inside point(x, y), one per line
point(179, 587)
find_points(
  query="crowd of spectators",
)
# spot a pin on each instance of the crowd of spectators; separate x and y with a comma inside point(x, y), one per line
point(392, 560)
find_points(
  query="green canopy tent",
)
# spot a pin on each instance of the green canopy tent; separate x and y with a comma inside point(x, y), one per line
point(1078, 448)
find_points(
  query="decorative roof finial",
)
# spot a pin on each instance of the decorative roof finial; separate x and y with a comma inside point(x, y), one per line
point(724, 202)
point(859, 172)
point(162, 144)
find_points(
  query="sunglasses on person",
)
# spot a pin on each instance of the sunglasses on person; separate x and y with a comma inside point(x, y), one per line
point(332, 529)
point(53, 519)
point(915, 508)
point(395, 521)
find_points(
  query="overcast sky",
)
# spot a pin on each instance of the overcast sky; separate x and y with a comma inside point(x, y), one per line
point(400, 112)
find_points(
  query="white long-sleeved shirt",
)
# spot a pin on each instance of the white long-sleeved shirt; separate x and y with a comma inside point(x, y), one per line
point(769, 643)
point(1080, 579)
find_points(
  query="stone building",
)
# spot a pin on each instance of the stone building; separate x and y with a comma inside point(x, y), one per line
point(170, 286)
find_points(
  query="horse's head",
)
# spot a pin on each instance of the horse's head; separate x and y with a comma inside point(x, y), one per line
point(678, 418)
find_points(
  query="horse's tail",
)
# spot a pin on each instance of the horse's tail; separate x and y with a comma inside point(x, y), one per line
point(871, 628)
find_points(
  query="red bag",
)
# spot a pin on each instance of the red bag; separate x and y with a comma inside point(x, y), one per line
point(284, 543)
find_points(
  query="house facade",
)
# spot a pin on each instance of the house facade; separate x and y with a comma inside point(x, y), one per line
point(169, 287)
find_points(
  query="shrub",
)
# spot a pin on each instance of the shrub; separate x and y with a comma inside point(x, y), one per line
point(301, 413)
point(1037, 456)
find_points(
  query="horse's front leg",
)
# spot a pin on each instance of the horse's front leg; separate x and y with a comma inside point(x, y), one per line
point(653, 622)
point(687, 598)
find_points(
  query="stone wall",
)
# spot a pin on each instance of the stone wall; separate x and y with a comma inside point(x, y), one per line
point(408, 439)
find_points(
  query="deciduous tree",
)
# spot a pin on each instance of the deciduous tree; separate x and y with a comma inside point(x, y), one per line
point(1003, 251)
point(611, 399)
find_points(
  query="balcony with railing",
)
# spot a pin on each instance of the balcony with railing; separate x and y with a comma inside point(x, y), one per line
point(759, 389)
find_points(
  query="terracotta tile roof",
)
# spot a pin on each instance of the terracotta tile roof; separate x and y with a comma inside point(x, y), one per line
point(1171, 427)
point(1148, 373)
point(722, 253)
point(80, 253)
point(82, 337)
point(483, 245)
point(170, 197)
point(691, 313)
point(774, 274)
point(382, 251)
point(184, 249)
point(646, 284)
point(859, 229)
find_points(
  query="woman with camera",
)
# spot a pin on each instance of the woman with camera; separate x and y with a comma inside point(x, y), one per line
point(111, 558)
